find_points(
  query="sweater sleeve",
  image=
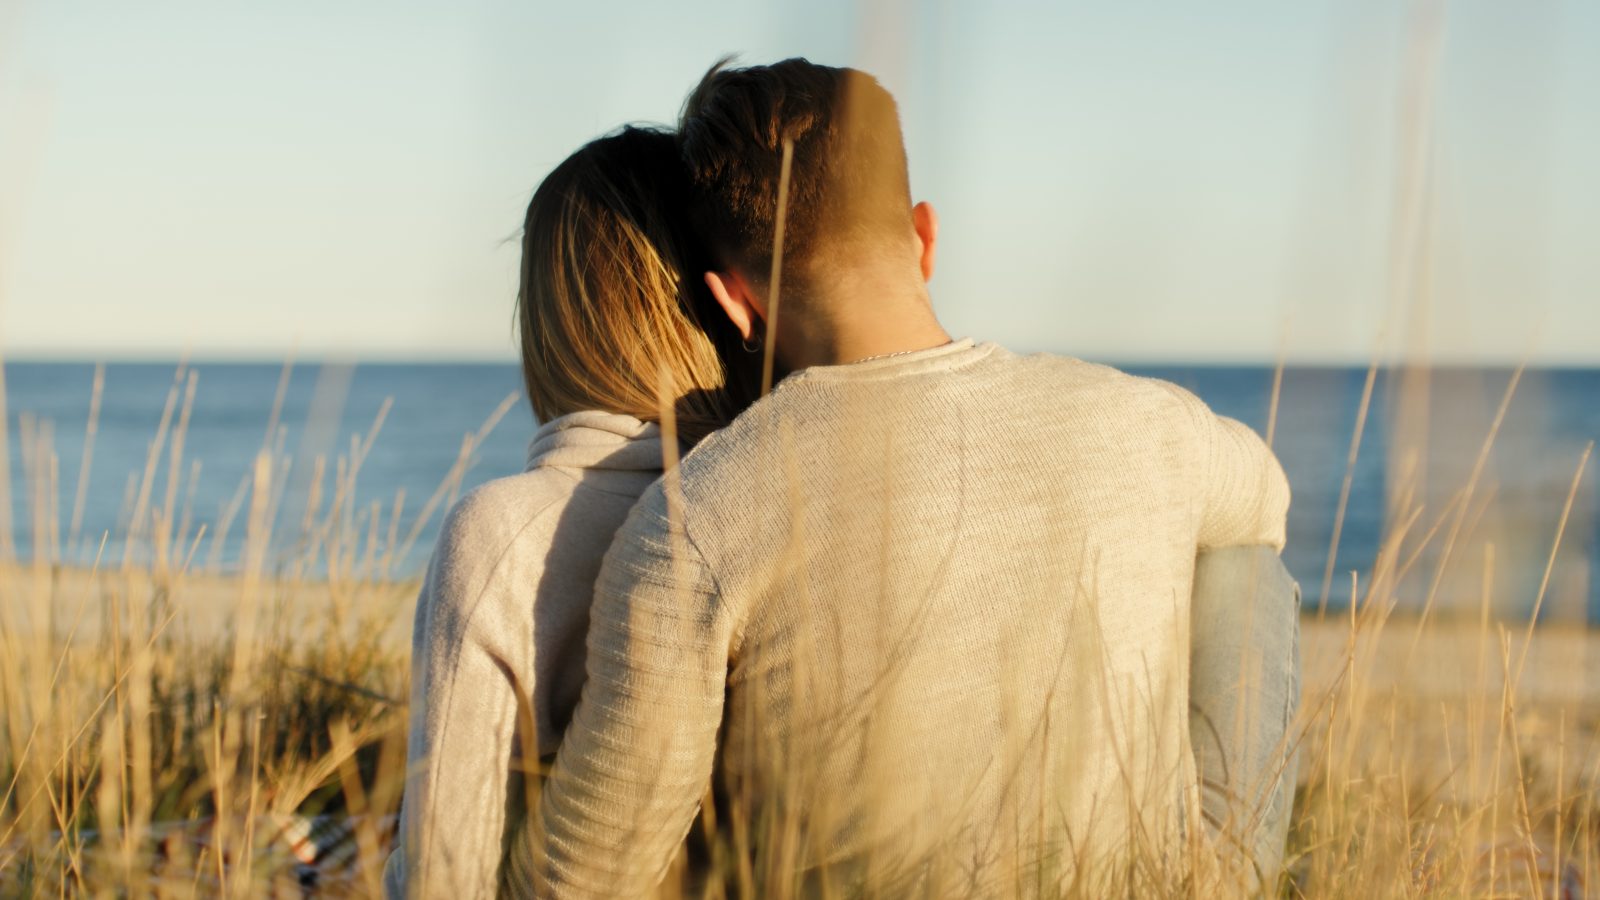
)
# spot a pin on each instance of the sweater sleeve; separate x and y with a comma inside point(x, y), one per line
point(463, 719)
point(1243, 494)
point(1248, 499)
point(638, 755)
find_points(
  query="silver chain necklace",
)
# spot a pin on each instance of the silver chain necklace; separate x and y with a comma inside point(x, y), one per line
point(900, 353)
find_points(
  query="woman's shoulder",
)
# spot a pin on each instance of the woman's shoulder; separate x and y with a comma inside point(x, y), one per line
point(497, 541)
point(489, 519)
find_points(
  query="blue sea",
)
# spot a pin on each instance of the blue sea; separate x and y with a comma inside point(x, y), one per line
point(1518, 496)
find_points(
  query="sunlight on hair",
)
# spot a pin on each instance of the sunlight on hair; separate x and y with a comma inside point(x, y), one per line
point(776, 277)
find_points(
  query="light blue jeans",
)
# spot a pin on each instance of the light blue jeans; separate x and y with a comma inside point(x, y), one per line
point(1244, 689)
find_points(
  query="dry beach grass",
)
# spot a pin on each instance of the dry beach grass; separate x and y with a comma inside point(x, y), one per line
point(153, 698)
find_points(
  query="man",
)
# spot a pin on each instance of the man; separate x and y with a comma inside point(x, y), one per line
point(934, 595)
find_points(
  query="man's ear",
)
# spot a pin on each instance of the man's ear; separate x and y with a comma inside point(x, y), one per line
point(926, 222)
point(737, 299)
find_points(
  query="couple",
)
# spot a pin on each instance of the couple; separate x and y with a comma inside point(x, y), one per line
point(929, 618)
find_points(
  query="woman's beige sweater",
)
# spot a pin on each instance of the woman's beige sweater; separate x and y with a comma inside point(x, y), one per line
point(934, 611)
point(499, 634)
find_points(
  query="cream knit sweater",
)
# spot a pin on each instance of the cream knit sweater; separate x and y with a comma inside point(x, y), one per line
point(937, 606)
point(499, 633)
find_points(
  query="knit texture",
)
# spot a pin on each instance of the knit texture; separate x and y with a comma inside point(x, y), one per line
point(499, 636)
point(937, 606)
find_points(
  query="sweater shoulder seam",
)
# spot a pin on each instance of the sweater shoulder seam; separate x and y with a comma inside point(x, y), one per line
point(736, 638)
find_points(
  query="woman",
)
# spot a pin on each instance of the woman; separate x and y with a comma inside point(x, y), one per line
point(615, 328)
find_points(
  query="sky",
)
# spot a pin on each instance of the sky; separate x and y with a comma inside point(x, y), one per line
point(1323, 180)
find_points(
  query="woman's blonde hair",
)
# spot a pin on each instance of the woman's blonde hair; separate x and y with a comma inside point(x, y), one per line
point(612, 310)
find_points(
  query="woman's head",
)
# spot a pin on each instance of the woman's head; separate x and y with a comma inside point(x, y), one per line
point(612, 309)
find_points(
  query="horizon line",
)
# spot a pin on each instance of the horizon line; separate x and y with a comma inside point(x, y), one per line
point(382, 358)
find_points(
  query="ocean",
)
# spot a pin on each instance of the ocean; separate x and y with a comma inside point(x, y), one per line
point(1418, 445)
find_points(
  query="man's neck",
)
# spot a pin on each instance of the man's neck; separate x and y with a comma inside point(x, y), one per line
point(869, 332)
point(869, 313)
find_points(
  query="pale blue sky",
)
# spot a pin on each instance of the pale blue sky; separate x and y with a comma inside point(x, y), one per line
point(1137, 181)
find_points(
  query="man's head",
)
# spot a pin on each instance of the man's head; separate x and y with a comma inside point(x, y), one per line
point(849, 206)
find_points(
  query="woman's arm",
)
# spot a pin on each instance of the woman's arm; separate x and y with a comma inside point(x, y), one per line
point(469, 650)
point(638, 755)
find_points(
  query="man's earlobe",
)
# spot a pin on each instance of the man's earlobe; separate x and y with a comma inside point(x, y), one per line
point(733, 294)
point(926, 222)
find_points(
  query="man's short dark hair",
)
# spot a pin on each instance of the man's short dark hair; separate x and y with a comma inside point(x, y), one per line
point(848, 188)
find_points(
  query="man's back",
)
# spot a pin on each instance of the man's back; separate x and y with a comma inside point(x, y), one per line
point(938, 604)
